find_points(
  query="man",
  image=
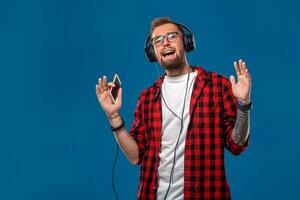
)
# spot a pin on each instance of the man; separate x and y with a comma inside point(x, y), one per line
point(183, 122)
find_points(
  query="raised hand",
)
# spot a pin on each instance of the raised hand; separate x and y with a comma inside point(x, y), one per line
point(242, 88)
point(103, 94)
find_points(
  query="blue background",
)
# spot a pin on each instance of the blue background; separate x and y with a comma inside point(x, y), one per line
point(55, 142)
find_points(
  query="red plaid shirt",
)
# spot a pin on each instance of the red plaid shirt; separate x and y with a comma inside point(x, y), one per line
point(213, 110)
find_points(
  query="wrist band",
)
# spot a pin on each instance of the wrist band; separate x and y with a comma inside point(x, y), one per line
point(119, 127)
point(243, 107)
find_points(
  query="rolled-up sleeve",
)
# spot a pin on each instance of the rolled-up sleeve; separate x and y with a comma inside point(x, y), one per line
point(229, 118)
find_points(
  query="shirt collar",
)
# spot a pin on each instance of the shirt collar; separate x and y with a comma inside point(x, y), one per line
point(202, 75)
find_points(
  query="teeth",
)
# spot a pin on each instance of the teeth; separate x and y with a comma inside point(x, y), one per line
point(167, 52)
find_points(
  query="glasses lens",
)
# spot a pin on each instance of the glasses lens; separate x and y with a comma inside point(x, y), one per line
point(172, 37)
point(157, 41)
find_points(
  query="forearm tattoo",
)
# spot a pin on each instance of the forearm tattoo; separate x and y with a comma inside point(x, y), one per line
point(241, 128)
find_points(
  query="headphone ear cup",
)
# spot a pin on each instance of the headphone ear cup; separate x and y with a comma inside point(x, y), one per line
point(149, 50)
point(189, 42)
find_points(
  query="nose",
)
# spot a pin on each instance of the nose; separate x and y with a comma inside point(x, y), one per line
point(167, 41)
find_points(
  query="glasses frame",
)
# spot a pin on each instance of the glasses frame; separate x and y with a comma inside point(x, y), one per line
point(165, 36)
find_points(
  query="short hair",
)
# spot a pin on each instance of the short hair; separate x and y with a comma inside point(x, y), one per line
point(156, 22)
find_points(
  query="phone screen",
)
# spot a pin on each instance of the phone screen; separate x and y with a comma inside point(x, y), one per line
point(115, 89)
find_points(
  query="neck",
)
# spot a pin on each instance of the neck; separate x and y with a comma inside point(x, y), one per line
point(184, 69)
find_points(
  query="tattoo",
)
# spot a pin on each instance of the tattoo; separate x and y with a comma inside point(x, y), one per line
point(241, 129)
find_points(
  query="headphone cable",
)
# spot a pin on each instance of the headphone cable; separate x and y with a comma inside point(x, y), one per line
point(181, 129)
point(113, 172)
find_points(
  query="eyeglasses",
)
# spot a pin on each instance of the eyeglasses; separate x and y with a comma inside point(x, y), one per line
point(159, 40)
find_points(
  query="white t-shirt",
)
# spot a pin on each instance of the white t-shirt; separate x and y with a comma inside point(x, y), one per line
point(173, 92)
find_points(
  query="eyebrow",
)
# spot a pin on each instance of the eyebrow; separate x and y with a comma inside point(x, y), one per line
point(165, 34)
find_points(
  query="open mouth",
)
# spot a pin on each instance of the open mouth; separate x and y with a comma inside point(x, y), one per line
point(168, 52)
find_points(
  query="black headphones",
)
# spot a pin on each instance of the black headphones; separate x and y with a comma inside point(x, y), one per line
point(188, 41)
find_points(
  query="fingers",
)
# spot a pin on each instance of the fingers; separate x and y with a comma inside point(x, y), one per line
point(232, 80)
point(241, 68)
point(104, 80)
point(119, 97)
point(245, 69)
point(237, 68)
point(97, 90)
point(110, 85)
point(102, 84)
point(240, 65)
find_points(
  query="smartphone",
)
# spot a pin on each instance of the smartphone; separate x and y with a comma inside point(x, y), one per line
point(115, 90)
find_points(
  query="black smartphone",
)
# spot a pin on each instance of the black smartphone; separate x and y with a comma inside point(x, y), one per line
point(115, 90)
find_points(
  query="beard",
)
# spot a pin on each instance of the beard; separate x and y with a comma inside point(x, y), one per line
point(176, 63)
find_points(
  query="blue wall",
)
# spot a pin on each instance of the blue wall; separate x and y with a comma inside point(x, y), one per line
point(55, 142)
